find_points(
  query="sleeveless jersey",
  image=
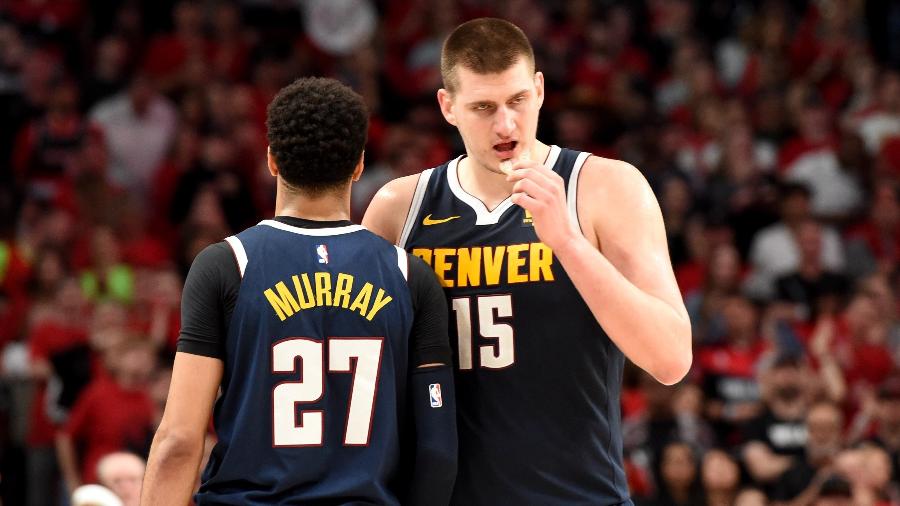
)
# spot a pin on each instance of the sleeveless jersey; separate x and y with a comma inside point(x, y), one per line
point(315, 368)
point(537, 378)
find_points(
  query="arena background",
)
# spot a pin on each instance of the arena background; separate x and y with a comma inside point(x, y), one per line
point(132, 136)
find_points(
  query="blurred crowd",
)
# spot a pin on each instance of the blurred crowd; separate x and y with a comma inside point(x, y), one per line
point(133, 135)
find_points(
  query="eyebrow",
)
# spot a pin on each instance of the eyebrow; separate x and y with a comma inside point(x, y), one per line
point(514, 95)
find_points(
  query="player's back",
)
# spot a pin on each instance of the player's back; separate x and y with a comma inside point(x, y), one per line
point(315, 370)
point(537, 379)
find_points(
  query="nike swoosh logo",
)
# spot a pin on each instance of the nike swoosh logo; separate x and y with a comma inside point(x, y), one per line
point(428, 221)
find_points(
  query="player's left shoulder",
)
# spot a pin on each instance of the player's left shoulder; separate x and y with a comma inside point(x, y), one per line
point(613, 188)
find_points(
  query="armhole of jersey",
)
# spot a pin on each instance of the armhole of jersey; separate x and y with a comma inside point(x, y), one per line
point(414, 206)
point(403, 262)
point(239, 254)
point(572, 192)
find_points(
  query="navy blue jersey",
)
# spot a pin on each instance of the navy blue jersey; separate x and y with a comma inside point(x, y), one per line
point(315, 368)
point(538, 380)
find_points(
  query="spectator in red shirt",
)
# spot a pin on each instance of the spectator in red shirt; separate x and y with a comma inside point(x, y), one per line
point(729, 370)
point(111, 415)
point(704, 305)
point(58, 339)
point(874, 244)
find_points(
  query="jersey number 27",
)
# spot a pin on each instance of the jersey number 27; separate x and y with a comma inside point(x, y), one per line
point(357, 355)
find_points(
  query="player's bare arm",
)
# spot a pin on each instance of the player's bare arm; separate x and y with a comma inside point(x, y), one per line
point(177, 447)
point(386, 213)
point(618, 260)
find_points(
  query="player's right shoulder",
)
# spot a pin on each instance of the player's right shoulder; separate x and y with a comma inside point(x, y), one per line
point(387, 212)
point(216, 261)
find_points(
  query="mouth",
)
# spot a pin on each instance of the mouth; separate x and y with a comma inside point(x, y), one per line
point(505, 150)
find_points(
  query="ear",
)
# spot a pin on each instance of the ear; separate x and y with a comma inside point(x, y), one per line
point(445, 100)
point(539, 87)
point(270, 162)
point(357, 172)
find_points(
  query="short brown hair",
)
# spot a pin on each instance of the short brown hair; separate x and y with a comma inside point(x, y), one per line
point(484, 46)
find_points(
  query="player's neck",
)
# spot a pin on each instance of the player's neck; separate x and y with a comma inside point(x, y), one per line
point(322, 206)
point(488, 186)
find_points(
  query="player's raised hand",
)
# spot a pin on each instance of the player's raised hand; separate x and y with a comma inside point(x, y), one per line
point(542, 192)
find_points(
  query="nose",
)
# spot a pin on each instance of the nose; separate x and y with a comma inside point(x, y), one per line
point(504, 122)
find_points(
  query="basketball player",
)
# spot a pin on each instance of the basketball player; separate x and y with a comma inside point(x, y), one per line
point(555, 272)
point(314, 328)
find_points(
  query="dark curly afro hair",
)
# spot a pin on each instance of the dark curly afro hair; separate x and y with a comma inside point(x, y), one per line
point(317, 131)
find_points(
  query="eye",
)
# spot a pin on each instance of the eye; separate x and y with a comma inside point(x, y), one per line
point(518, 100)
point(482, 107)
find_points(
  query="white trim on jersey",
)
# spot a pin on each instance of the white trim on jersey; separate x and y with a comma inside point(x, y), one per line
point(413, 214)
point(482, 215)
point(239, 254)
point(552, 156)
point(572, 190)
point(403, 262)
point(318, 232)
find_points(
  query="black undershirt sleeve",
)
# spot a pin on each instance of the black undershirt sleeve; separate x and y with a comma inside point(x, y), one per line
point(207, 301)
point(430, 343)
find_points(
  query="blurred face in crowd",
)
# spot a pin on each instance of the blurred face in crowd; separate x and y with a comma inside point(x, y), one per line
point(889, 416)
point(885, 211)
point(824, 426)
point(105, 247)
point(676, 198)
point(70, 300)
point(134, 365)
point(720, 472)
point(141, 93)
point(751, 497)
point(678, 466)
point(795, 207)
point(496, 114)
point(809, 241)
point(122, 473)
point(49, 270)
point(787, 385)
point(63, 100)
point(740, 318)
point(860, 315)
point(724, 267)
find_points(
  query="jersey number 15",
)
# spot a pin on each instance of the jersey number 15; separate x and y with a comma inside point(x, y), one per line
point(500, 353)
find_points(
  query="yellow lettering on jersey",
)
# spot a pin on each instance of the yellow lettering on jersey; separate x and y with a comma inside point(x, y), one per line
point(441, 265)
point(468, 267)
point(424, 254)
point(381, 300)
point(515, 263)
point(540, 262)
point(361, 302)
point(342, 290)
point(323, 289)
point(284, 303)
point(304, 294)
point(320, 291)
point(493, 262)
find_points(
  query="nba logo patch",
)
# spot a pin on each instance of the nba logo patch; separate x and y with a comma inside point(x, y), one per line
point(322, 252)
point(434, 392)
point(527, 220)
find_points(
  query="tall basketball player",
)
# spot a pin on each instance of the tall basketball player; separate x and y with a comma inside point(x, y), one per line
point(555, 271)
point(322, 336)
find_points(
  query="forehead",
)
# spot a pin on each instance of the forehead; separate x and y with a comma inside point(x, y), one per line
point(493, 86)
